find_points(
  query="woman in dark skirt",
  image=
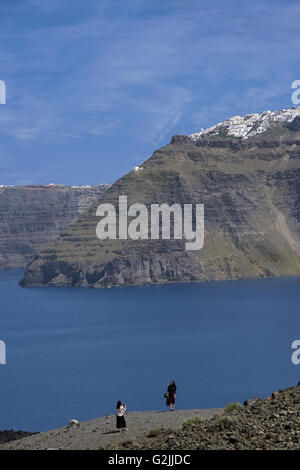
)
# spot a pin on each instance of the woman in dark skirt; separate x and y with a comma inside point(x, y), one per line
point(171, 395)
point(121, 422)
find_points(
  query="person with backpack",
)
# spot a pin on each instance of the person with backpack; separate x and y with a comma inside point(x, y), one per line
point(172, 395)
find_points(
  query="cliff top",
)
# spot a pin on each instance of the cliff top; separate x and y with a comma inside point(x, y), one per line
point(249, 125)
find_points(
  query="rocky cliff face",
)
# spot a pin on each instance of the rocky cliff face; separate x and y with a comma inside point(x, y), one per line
point(247, 179)
point(34, 216)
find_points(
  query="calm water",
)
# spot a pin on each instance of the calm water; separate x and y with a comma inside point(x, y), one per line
point(75, 352)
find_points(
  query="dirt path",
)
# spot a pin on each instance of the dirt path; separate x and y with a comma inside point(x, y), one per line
point(101, 432)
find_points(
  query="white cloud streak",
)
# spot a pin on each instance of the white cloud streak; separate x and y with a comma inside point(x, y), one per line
point(88, 77)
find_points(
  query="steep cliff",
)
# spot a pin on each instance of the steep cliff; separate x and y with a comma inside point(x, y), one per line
point(246, 172)
point(33, 216)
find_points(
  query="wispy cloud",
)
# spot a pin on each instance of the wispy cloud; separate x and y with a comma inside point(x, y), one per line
point(141, 69)
point(155, 66)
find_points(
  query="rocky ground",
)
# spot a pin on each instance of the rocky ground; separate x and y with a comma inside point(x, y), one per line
point(101, 433)
point(263, 424)
point(11, 435)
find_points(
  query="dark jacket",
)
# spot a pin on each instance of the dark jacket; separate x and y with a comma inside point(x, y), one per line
point(172, 388)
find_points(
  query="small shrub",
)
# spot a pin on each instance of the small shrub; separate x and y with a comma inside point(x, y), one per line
point(192, 422)
point(155, 433)
point(232, 407)
point(221, 423)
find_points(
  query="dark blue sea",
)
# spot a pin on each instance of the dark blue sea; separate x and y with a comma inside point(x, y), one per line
point(72, 353)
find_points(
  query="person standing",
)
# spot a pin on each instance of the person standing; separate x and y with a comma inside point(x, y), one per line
point(172, 395)
point(121, 422)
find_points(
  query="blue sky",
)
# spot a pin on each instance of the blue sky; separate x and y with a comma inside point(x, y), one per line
point(95, 86)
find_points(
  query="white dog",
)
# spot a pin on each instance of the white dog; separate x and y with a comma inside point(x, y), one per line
point(73, 423)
